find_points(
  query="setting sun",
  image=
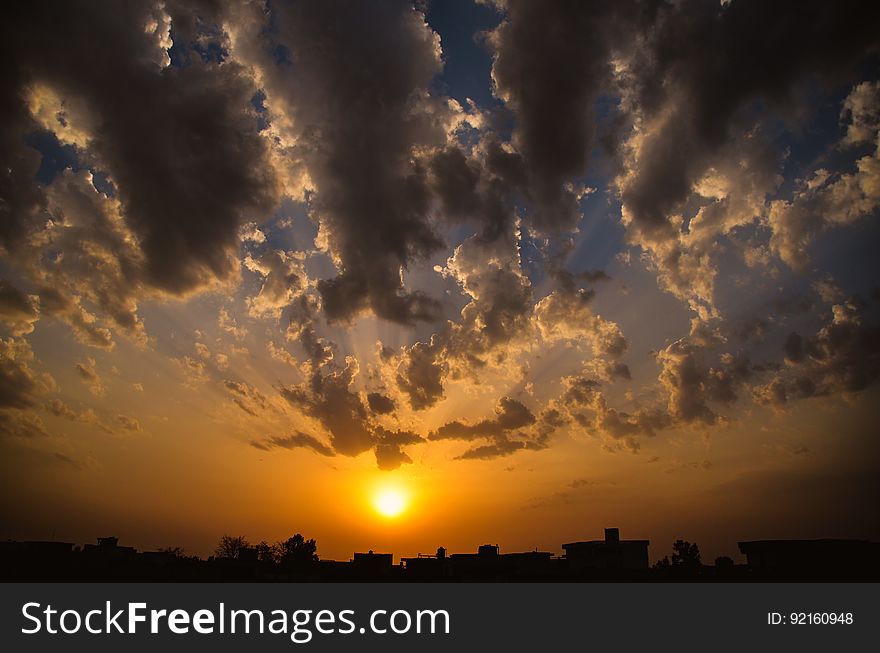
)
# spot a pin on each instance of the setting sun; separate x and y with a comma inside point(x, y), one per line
point(390, 502)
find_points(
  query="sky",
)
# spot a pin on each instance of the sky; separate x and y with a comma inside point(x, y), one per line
point(532, 269)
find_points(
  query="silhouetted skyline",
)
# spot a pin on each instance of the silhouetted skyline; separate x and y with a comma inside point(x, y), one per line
point(296, 558)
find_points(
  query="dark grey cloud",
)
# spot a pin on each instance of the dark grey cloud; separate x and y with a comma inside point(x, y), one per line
point(380, 404)
point(22, 196)
point(301, 316)
point(794, 348)
point(389, 454)
point(14, 304)
point(180, 145)
point(504, 311)
point(478, 188)
point(55, 303)
point(456, 180)
point(671, 92)
point(350, 83)
point(565, 313)
point(842, 356)
point(17, 310)
point(246, 397)
point(501, 316)
point(498, 312)
point(752, 330)
point(703, 62)
point(420, 374)
point(552, 60)
point(295, 440)
point(329, 398)
point(500, 447)
point(513, 428)
point(19, 383)
point(731, 371)
point(585, 402)
point(695, 376)
point(510, 414)
point(283, 282)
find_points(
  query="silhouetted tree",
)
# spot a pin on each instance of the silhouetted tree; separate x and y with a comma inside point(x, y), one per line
point(663, 564)
point(297, 551)
point(230, 547)
point(724, 562)
point(267, 553)
point(685, 554)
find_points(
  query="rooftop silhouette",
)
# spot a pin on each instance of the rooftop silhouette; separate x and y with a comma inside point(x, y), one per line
point(296, 559)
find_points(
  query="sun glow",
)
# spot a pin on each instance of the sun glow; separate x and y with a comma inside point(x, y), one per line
point(390, 502)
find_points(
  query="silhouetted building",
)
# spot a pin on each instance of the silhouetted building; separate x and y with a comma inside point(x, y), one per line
point(42, 549)
point(610, 553)
point(428, 567)
point(488, 563)
point(108, 547)
point(334, 570)
point(372, 564)
point(36, 560)
point(797, 556)
point(158, 558)
point(487, 550)
point(609, 559)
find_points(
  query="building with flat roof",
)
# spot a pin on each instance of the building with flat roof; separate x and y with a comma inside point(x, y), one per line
point(487, 563)
point(372, 564)
point(108, 547)
point(428, 567)
point(610, 553)
point(817, 555)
